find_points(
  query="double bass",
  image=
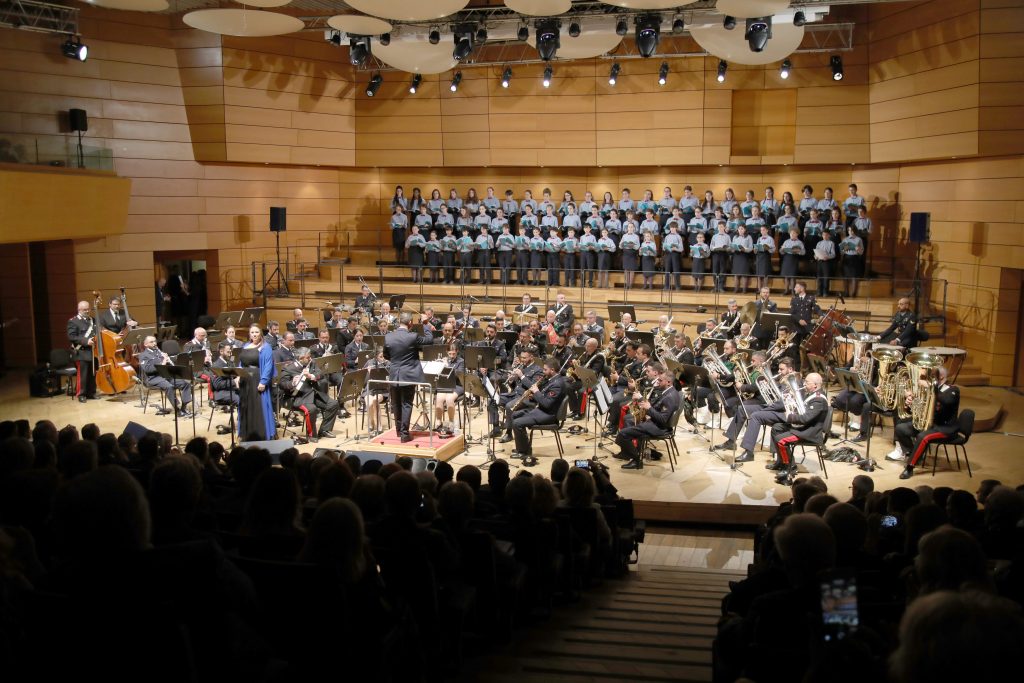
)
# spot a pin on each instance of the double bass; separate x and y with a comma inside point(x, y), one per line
point(113, 373)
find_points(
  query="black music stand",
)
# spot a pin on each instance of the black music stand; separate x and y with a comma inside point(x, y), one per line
point(364, 356)
point(773, 321)
point(251, 316)
point(351, 387)
point(591, 381)
point(615, 312)
point(641, 337)
point(332, 364)
point(306, 343)
point(165, 333)
point(473, 334)
point(480, 357)
point(171, 373)
point(850, 381)
point(695, 376)
point(482, 388)
point(509, 338)
point(876, 407)
point(374, 340)
point(227, 319)
point(231, 374)
point(137, 336)
point(396, 302)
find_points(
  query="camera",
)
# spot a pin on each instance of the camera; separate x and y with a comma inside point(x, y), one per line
point(583, 464)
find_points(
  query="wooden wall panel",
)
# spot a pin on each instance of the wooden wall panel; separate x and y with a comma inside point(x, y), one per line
point(1001, 77)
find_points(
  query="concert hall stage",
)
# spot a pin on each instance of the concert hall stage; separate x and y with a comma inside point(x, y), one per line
point(702, 490)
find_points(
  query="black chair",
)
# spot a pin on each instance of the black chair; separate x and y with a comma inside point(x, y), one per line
point(61, 366)
point(669, 438)
point(563, 410)
point(817, 444)
point(958, 440)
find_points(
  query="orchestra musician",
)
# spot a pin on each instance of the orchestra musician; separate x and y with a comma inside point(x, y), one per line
point(525, 343)
point(114, 319)
point(385, 315)
point(229, 337)
point(541, 408)
point(199, 342)
point(519, 379)
point(285, 351)
point(945, 423)
point(577, 337)
point(300, 379)
point(561, 351)
point(564, 316)
point(365, 300)
point(902, 330)
point(707, 398)
point(444, 401)
point(627, 323)
point(802, 308)
point(354, 348)
point(752, 401)
point(680, 352)
point(662, 326)
point(347, 333)
point(302, 331)
point(337, 321)
point(491, 340)
point(81, 332)
point(293, 324)
point(762, 333)
point(657, 419)
point(150, 357)
point(374, 393)
point(383, 326)
point(225, 389)
point(401, 347)
point(624, 382)
point(322, 348)
point(526, 307)
point(593, 326)
point(273, 336)
point(591, 360)
point(448, 335)
point(771, 414)
point(550, 328)
point(806, 426)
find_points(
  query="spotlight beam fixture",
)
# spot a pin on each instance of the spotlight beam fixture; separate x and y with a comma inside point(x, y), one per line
point(374, 85)
point(663, 73)
point(415, 85)
point(456, 79)
point(548, 73)
point(613, 75)
point(435, 36)
point(74, 49)
point(506, 77)
point(358, 50)
point(786, 67)
point(463, 37)
point(836, 62)
point(758, 33)
point(648, 33)
point(548, 38)
point(723, 66)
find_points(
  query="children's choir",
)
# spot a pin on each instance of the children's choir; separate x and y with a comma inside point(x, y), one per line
point(544, 243)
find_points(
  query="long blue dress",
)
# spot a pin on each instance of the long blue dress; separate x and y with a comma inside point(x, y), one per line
point(254, 403)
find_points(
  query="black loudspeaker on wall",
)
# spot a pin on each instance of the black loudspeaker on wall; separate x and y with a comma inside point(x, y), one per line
point(278, 219)
point(78, 120)
point(920, 225)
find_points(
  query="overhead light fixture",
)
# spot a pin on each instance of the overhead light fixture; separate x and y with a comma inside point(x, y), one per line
point(836, 62)
point(648, 32)
point(723, 66)
point(506, 77)
point(678, 25)
point(334, 37)
point(358, 50)
point(663, 73)
point(729, 23)
point(523, 33)
point(73, 49)
point(799, 19)
point(434, 37)
point(758, 32)
point(548, 73)
point(374, 85)
point(481, 35)
point(385, 39)
point(574, 29)
point(784, 71)
point(456, 79)
point(463, 45)
point(621, 27)
point(613, 75)
point(548, 39)
point(415, 85)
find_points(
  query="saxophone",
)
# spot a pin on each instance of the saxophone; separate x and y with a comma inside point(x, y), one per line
point(640, 414)
point(514, 406)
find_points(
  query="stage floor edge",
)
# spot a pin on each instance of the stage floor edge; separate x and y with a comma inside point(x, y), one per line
point(419, 447)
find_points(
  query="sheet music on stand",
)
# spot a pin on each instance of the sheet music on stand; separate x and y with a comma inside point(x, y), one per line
point(603, 395)
point(480, 357)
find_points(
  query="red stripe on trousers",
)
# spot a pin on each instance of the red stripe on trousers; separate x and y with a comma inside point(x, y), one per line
point(78, 378)
point(583, 401)
point(309, 423)
point(783, 451)
point(923, 446)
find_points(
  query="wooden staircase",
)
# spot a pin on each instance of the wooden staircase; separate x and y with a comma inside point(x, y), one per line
point(657, 624)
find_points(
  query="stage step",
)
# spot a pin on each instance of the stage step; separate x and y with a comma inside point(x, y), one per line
point(657, 624)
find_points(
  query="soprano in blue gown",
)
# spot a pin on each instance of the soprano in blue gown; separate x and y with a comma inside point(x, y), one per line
point(256, 409)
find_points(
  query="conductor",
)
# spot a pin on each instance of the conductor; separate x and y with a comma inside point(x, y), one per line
point(401, 347)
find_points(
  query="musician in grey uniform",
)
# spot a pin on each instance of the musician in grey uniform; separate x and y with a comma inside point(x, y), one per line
point(518, 381)
point(656, 423)
point(401, 347)
point(540, 409)
point(591, 360)
point(152, 356)
point(301, 379)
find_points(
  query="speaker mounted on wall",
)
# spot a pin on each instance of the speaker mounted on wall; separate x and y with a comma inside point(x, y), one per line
point(78, 120)
point(920, 227)
point(278, 219)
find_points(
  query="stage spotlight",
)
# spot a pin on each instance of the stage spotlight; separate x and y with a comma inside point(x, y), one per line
point(648, 32)
point(723, 66)
point(548, 73)
point(481, 35)
point(463, 46)
point(523, 33)
point(678, 25)
point(335, 38)
point(548, 39)
point(374, 85)
point(73, 49)
point(434, 37)
point(456, 79)
point(784, 71)
point(506, 77)
point(385, 39)
point(758, 32)
point(574, 29)
point(415, 85)
point(729, 23)
point(613, 76)
point(799, 19)
point(836, 62)
point(663, 73)
point(358, 50)
point(621, 27)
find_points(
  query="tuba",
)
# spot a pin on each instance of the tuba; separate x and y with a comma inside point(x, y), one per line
point(888, 377)
point(769, 389)
point(921, 373)
point(714, 363)
point(793, 400)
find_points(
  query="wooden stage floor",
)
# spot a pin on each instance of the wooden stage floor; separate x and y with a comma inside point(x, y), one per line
point(703, 489)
